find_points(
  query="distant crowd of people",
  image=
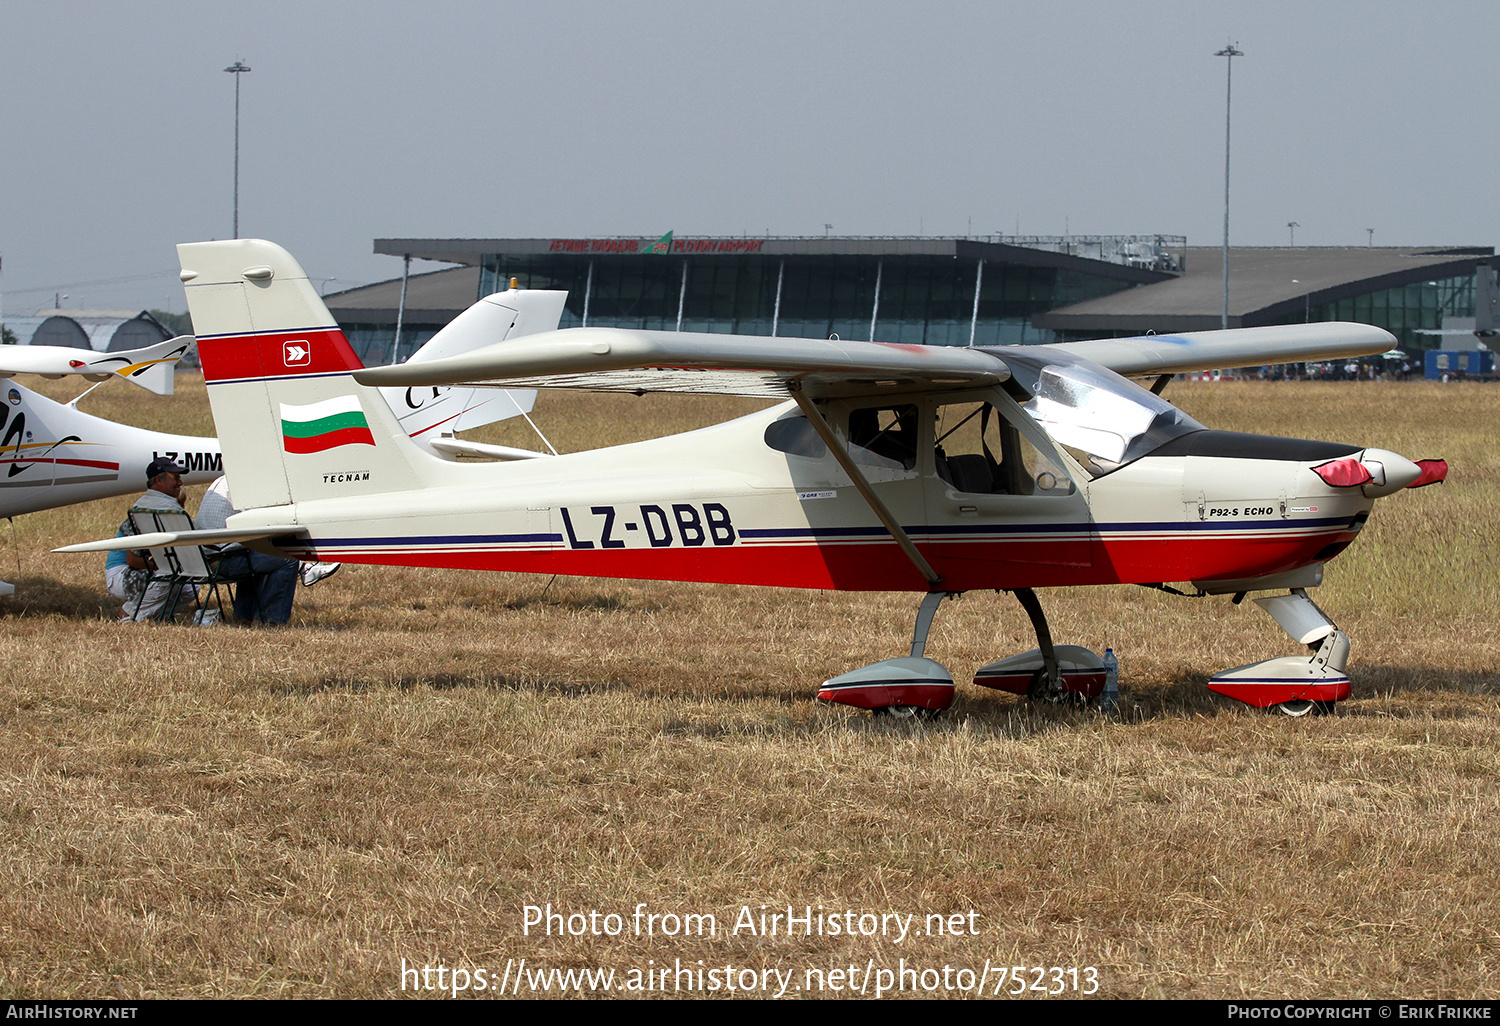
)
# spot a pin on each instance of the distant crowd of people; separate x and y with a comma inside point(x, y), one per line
point(1368, 369)
point(1374, 369)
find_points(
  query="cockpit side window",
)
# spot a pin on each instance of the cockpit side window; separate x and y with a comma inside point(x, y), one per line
point(794, 435)
point(884, 436)
point(979, 451)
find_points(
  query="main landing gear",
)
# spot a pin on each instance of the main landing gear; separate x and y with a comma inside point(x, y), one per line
point(1055, 674)
point(916, 686)
point(901, 688)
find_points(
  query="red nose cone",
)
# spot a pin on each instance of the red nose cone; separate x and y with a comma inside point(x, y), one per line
point(1433, 471)
point(1344, 473)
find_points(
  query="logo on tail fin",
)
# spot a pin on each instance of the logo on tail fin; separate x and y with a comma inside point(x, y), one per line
point(296, 354)
point(324, 425)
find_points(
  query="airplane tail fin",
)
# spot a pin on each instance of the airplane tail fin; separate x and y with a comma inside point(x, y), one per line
point(154, 368)
point(431, 413)
point(293, 423)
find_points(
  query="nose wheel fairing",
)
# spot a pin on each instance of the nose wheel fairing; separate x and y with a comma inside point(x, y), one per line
point(1277, 682)
point(1292, 682)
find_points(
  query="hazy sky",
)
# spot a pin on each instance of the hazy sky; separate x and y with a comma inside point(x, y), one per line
point(450, 119)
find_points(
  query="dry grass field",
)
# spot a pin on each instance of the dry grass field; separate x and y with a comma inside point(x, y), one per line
point(421, 755)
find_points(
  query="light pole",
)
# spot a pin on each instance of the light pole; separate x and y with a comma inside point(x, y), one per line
point(1230, 52)
point(1291, 228)
point(237, 69)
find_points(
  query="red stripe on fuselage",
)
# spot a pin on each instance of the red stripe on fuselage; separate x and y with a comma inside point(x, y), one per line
point(1159, 559)
point(880, 566)
point(234, 357)
point(94, 464)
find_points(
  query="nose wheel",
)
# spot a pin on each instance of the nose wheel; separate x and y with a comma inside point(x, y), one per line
point(1304, 707)
point(906, 712)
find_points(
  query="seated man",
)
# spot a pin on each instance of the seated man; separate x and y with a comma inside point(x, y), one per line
point(128, 574)
point(267, 592)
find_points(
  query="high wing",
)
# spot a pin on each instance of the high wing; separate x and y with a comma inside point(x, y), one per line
point(1237, 347)
point(625, 360)
point(151, 367)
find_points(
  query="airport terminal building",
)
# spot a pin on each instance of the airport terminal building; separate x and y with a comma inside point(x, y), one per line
point(996, 290)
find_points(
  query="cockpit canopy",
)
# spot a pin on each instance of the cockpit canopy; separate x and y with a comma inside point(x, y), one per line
point(1104, 420)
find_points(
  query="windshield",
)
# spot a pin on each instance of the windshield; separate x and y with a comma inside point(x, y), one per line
point(1102, 419)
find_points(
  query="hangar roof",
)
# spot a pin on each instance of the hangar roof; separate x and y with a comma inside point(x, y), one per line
point(100, 330)
point(434, 297)
point(472, 251)
point(1266, 286)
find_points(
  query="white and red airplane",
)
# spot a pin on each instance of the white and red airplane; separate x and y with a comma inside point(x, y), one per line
point(926, 469)
point(52, 454)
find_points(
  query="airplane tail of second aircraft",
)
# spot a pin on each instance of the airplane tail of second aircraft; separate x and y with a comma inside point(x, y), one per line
point(153, 368)
point(293, 424)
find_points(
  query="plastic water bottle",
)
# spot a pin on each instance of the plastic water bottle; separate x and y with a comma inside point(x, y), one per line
point(1109, 700)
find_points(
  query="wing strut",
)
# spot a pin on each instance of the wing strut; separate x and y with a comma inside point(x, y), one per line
point(852, 469)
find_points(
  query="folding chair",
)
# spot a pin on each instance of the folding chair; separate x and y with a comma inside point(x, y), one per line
point(179, 566)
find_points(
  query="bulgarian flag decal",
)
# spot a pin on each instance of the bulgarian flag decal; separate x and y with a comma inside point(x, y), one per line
point(325, 425)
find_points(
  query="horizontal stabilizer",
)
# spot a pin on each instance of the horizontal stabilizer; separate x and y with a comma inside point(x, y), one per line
point(503, 316)
point(463, 447)
point(169, 539)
